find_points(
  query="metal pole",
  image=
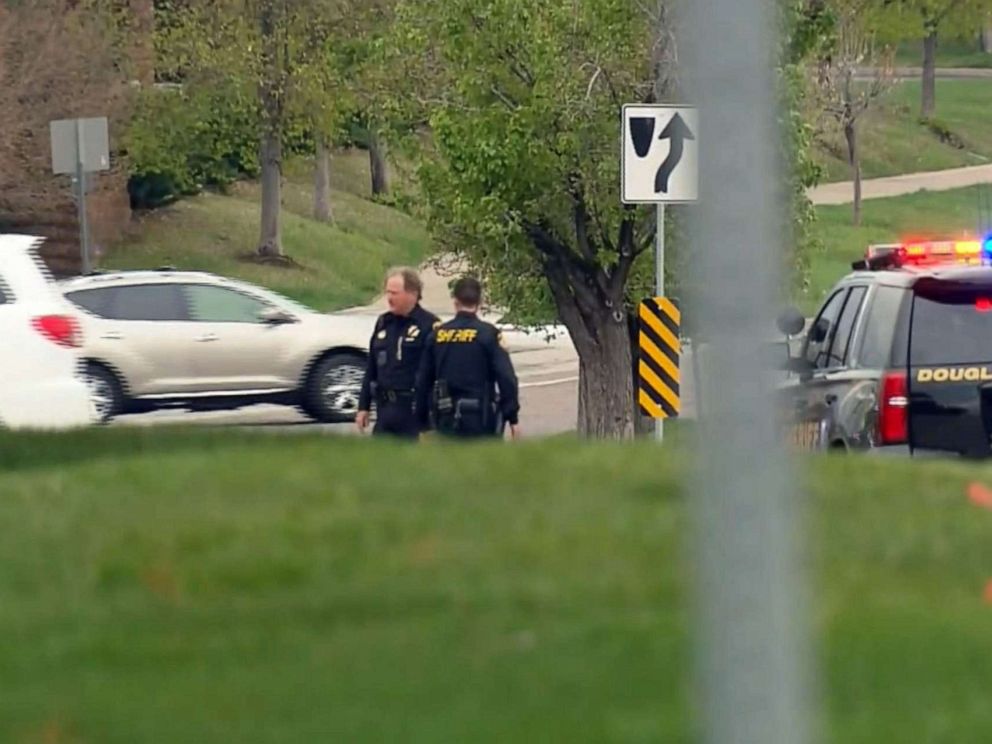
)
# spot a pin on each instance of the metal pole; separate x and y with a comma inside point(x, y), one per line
point(659, 281)
point(84, 232)
point(752, 631)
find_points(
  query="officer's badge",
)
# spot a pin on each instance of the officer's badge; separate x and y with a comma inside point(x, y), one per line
point(381, 334)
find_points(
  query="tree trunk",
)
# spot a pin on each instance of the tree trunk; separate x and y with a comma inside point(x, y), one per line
point(270, 243)
point(378, 165)
point(854, 160)
point(143, 45)
point(270, 92)
point(985, 39)
point(929, 103)
point(606, 385)
point(322, 182)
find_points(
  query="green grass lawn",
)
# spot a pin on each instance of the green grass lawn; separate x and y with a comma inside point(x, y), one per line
point(340, 264)
point(160, 586)
point(894, 141)
point(940, 214)
point(950, 53)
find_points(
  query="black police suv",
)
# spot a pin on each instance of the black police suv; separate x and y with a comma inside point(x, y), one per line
point(899, 356)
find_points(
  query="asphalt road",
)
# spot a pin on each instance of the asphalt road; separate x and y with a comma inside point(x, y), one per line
point(548, 374)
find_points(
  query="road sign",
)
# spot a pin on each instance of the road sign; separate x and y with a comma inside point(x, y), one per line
point(80, 141)
point(80, 146)
point(659, 154)
point(659, 350)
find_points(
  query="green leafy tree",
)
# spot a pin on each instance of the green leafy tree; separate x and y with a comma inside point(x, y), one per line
point(928, 20)
point(521, 174)
point(854, 45)
point(272, 52)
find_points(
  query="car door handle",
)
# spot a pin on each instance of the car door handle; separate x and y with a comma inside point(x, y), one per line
point(208, 337)
point(112, 336)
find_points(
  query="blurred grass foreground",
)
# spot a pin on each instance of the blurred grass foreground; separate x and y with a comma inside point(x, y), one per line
point(206, 587)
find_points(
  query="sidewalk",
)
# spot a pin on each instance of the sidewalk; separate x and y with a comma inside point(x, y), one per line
point(943, 73)
point(909, 183)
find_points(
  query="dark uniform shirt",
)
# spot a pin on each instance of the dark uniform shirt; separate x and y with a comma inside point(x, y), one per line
point(395, 349)
point(469, 356)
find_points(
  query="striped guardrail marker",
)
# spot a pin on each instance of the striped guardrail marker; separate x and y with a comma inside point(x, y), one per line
point(659, 349)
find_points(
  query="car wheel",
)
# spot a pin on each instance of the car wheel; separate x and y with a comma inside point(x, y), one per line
point(106, 396)
point(333, 387)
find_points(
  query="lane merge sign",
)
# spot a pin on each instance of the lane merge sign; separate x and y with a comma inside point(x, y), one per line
point(659, 352)
point(659, 159)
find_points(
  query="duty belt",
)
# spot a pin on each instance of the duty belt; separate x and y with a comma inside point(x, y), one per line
point(396, 395)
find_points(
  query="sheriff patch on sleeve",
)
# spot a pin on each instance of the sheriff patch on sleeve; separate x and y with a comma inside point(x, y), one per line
point(502, 341)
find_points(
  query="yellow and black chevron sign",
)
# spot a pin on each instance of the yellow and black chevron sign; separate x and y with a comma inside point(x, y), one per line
point(658, 363)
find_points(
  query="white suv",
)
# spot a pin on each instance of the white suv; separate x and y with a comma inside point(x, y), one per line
point(200, 341)
point(41, 385)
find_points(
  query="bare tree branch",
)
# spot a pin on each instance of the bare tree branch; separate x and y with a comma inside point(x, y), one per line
point(503, 98)
point(592, 81)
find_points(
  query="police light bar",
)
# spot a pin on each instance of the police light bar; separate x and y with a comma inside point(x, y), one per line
point(926, 253)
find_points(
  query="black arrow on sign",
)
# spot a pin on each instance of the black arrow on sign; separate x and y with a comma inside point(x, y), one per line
point(677, 132)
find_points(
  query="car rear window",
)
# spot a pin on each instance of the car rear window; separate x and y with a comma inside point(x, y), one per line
point(96, 301)
point(951, 324)
point(141, 302)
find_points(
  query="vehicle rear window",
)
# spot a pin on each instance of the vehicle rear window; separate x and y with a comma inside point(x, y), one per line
point(952, 324)
point(96, 301)
point(881, 329)
point(144, 302)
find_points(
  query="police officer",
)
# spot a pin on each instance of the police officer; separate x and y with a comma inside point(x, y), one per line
point(395, 350)
point(463, 364)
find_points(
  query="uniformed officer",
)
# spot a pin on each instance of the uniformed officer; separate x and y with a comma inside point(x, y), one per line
point(395, 350)
point(463, 364)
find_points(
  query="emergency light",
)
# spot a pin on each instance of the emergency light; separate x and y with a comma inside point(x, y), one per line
point(927, 253)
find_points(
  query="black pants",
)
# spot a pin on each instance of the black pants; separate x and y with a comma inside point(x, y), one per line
point(396, 418)
point(471, 425)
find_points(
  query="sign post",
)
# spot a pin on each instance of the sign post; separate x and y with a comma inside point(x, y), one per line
point(659, 165)
point(79, 147)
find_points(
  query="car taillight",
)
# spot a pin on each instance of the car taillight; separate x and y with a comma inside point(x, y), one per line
point(893, 409)
point(59, 329)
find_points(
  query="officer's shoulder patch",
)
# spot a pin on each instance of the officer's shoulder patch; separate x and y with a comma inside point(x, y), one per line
point(501, 340)
point(382, 333)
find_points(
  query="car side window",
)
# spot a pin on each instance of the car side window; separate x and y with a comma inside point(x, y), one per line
point(837, 355)
point(210, 304)
point(143, 302)
point(94, 301)
point(822, 331)
point(880, 327)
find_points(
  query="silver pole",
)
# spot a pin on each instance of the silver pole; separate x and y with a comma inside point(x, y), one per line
point(659, 281)
point(84, 232)
point(753, 651)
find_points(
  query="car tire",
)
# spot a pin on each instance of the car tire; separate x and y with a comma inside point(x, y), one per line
point(106, 394)
point(332, 389)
